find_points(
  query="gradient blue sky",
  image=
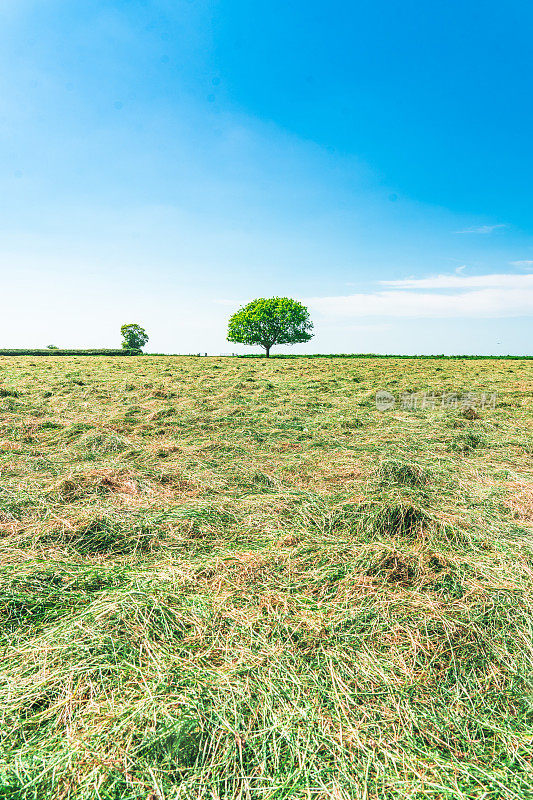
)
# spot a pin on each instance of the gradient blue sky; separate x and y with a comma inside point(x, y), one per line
point(164, 162)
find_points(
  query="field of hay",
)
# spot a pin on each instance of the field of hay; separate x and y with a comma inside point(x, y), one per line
point(236, 578)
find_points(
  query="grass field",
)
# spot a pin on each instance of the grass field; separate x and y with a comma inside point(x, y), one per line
point(236, 578)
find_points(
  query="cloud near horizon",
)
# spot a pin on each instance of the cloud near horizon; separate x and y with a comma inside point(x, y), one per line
point(480, 296)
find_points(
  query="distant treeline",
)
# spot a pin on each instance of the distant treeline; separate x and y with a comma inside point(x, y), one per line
point(378, 355)
point(332, 355)
point(57, 352)
point(131, 352)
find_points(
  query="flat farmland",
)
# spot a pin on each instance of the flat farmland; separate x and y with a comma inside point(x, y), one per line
point(239, 578)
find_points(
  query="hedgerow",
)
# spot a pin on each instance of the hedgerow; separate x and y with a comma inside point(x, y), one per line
point(54, 352)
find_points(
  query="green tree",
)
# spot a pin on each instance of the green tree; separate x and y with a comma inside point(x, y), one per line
point(133, 336)
point(270, 321)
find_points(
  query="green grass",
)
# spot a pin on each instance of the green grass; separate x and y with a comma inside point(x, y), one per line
point(236, 578)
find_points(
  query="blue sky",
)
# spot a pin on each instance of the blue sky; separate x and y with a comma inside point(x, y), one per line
point(164, 162)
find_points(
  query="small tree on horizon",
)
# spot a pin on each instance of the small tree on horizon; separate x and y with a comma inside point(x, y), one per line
point(270, 321)
point(133, 336)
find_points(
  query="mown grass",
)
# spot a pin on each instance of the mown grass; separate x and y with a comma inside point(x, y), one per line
point(236, 578)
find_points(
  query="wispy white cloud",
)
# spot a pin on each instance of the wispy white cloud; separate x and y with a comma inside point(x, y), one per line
point(481, 296)
point(371, 327)
point(503, 280)
point(483, 228)
point(527, 264)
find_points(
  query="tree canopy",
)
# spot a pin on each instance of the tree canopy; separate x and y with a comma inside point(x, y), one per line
point(270, 321)
point(133, 336)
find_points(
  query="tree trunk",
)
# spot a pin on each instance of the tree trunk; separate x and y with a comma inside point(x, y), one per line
point(267, 348)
